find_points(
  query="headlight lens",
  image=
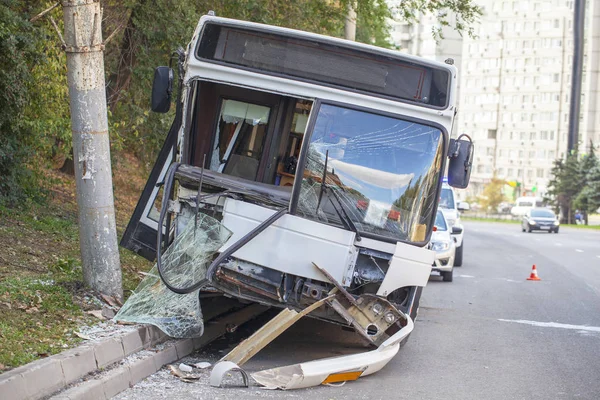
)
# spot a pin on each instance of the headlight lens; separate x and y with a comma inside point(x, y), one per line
point(556, 222)
point(440, 246)
point(531, 222)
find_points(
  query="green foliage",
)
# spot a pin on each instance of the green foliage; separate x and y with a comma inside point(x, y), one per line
point(575, 184)
point(17, 54)
point(460, 15)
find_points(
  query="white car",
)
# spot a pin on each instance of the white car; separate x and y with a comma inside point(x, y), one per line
point(444, 246)
point(451, 208)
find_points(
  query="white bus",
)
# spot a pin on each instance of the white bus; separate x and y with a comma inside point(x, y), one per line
point(322, 160)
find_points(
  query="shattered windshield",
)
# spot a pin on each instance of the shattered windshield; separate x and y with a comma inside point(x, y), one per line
point(382, 173)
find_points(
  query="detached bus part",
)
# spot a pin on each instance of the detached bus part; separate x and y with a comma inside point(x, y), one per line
point(321, 161)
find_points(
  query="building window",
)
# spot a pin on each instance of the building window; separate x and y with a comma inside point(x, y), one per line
point(523, 136)
point(556, 78)
point(551, 135)
point(544, 135)
point(509, 172)
point(490, 151)
point(530, 174)
point(531, 135)
point(531, 154)
point(491, 134)
point(556, 23)
point(540, 173)
point(521, 154)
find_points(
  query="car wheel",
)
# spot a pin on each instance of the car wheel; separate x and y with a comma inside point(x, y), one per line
point(458, 256)
point(556, 230)
point(447, 276)
point(522, 229)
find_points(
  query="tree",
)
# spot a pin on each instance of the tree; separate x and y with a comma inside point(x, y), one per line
point(17, 55)
point(493, 194)
point(565, 185)
point(588, 199)
point(593, 188)
point(460, 15)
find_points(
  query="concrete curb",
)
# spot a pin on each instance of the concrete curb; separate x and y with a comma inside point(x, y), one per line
point(40, 378)
point(130, 373)
point(66, 376)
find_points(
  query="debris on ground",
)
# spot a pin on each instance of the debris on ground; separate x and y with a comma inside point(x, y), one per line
point(188, 377)
point(223, 369)
point(185, 368)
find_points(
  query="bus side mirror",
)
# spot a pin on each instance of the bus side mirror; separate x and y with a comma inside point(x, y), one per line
point(162, 88)
point(460, 153)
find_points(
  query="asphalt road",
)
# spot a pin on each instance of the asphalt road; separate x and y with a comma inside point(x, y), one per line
point(490, 334)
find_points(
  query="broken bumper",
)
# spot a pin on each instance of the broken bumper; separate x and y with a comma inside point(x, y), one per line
point(336, 369)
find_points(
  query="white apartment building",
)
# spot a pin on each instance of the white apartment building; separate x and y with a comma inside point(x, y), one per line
point(515, 88)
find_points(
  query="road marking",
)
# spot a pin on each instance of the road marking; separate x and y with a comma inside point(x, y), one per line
point(554, 325)
point(466, 276)
point(579, 251)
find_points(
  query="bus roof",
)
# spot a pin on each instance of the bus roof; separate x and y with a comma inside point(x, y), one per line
point(202, 68)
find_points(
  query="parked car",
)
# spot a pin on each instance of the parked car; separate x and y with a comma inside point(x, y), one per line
point(540, 219)
point(451, 208)
point(444, 246)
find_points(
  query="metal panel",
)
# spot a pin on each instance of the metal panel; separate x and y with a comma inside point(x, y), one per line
point(410, 266)
point(292, 243)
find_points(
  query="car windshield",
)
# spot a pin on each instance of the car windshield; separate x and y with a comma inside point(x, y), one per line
point(440, 222)
point(525, 204)
point(446, 199)
point(542, 214)
point(382, 173)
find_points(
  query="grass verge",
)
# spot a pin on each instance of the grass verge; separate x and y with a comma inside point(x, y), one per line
point(43, 300)
point(516, 221)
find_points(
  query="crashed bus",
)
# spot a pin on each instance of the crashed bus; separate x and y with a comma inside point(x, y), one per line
point(301, 172)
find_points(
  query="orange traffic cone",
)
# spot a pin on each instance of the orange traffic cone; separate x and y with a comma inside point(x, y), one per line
point(534, 276)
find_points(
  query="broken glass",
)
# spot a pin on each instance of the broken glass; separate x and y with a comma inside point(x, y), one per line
point(184, 263)
point(384, 171)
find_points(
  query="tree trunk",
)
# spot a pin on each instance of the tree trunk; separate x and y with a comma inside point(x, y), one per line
point(91, 148)
point(121, 79)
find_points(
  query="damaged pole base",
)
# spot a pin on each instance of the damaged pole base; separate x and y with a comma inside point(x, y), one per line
point(222, 368)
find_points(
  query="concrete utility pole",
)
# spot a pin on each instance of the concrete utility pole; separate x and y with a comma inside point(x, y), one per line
point(576, 75)
point(350, 25)
point(91, 149)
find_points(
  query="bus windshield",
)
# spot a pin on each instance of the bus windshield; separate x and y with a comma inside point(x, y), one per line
point(382, 173)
